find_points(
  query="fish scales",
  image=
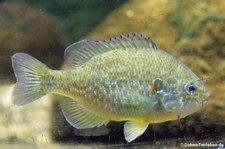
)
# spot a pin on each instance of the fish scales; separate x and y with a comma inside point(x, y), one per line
point(111, 71)
point(122, 79)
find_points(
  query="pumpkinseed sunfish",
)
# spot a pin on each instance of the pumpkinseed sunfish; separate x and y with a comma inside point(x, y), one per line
point(126, 78)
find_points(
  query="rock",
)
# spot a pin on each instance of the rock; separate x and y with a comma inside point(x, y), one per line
point(29, 30)
point(24, 124)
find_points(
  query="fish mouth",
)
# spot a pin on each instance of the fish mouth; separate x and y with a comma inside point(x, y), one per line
point(191, 107)
point(199, 102)
point(206, 98)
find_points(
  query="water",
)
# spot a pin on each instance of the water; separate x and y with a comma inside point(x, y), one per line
point(192, 31)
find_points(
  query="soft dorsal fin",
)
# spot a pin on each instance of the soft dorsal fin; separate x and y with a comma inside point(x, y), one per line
point(82, 51)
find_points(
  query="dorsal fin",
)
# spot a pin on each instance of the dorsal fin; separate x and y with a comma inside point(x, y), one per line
point(82, 51)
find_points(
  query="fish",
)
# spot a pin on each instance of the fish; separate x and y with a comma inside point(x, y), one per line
point(126, 78)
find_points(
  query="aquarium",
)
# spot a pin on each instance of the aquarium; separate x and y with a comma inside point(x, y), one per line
point(112, 74)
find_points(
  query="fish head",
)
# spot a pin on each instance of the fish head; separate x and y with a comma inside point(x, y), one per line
point(183, 96)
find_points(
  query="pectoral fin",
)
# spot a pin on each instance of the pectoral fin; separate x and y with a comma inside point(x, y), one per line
point(133, 130)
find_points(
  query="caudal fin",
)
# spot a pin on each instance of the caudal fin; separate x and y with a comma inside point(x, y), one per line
point(29, 73)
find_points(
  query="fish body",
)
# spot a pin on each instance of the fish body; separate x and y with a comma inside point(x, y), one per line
point(123, 79)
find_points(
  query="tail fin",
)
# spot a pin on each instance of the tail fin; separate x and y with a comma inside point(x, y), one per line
point(29, 73)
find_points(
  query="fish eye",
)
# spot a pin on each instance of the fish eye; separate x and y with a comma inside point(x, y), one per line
point(190, 88)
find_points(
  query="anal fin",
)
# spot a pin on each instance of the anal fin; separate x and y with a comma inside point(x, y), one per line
point(132, 130)
point(79, 117)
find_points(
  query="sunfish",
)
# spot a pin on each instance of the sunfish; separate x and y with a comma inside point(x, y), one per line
point(126, 78)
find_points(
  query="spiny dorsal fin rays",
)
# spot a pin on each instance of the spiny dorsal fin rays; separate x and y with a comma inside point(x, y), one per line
point(80, 52)
point(141, 41)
